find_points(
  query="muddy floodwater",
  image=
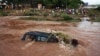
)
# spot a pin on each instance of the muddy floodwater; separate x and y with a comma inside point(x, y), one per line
point(90, 32)
point(89, 26)
point(12, 30)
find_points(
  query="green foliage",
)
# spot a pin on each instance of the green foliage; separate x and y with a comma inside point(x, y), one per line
point(97, 19)
point(3, 13)
point(56, 15)
point(61, 35)
point(74, 3)
point(50, 3)
point(19, 1)
point(47, 2)
point(28, 13)
point(98, 8)
point(32, 12)
point(66, 17)
point(45, 14)
point(60, 3)
point(65, 38)
point(93, 12)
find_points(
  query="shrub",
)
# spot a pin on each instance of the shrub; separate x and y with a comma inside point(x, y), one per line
point(31, 13)
point(65, 38)
point(97, 19)
point(32, 10)
point(28, 13)
point(3, 13)
point(98, 8)
point(67, 18)
point(45, 14)
point(56, 15)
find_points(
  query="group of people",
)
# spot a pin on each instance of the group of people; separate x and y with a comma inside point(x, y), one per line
point(77, 11)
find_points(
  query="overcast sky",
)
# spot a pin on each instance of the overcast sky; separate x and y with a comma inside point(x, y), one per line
point(92, 1)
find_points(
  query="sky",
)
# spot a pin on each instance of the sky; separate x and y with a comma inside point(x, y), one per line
point(92, 2)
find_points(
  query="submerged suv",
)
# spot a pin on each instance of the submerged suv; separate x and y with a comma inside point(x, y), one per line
point(39, 36)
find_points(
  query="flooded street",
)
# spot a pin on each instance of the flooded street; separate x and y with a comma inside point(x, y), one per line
point(11, 32)
point(89, 33)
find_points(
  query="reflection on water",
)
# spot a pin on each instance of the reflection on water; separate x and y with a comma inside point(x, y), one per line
point(88, 26)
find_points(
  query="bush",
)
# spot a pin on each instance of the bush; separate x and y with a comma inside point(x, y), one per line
point(56, 15)
point(67, 18)
point(3, 13)
point(32, 10)
point(45, 14)
point(36, 13)
point(28, 13)
point(31, 13)
point(65, 38)
point(98, 8)
point(97, 19)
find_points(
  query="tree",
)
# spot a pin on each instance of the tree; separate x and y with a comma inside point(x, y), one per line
point(62, 3)
point(51, 3)
point(74, 3)
point(98, 8)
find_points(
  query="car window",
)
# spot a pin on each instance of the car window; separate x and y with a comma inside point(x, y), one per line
point(42, 39)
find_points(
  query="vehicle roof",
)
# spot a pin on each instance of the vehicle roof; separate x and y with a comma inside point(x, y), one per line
point(41, 34)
